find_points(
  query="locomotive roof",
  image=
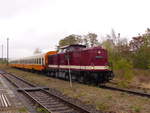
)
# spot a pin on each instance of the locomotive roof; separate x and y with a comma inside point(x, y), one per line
point(73, 45)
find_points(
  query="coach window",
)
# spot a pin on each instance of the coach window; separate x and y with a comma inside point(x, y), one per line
point(39, 60)
point(42, 61)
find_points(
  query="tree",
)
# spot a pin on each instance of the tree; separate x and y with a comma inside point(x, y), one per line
point(136, 43)
point(113, 35)
point(71, 39)
point(91, 39)
point(37, 51)
point(109, 45)
point(140, 47)
point(86, 41)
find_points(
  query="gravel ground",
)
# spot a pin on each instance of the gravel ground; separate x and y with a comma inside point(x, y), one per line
point(102, 99)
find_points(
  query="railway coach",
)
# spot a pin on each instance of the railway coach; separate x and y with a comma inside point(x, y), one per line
point(33, 63)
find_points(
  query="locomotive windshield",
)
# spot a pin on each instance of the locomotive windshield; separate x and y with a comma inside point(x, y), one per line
point(72, 48)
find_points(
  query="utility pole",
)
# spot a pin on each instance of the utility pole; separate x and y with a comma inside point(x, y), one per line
point(2, 52)
point(70, 77)
point(7, 51)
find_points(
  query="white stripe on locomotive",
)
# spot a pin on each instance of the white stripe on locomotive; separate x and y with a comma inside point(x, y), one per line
point(79, 67)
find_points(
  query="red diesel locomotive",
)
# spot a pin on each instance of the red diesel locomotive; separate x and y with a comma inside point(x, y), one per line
point(83, 64)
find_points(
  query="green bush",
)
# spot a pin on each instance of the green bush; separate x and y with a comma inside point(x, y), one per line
point(126, 68)
point(141, 58)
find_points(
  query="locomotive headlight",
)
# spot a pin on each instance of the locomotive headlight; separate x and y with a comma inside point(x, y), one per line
point(99, 52)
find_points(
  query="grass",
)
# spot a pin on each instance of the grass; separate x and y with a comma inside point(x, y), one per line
point(22, 110)
point(136, 109)
point(102, 99)
point(102, 106)
point(41, 110)
point(109, 97)
point(123, 84)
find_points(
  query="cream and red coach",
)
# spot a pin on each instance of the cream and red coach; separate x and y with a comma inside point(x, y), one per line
point(84, 64)
point(37, 62)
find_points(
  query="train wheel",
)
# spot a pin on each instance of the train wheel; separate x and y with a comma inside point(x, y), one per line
point(81, 79)
point(48, 73)
point(66, 76)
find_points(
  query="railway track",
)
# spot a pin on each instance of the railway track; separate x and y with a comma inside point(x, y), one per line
point(126, 91)
point(43, 98)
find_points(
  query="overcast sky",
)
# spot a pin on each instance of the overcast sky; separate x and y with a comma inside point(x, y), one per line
point(32, 24)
